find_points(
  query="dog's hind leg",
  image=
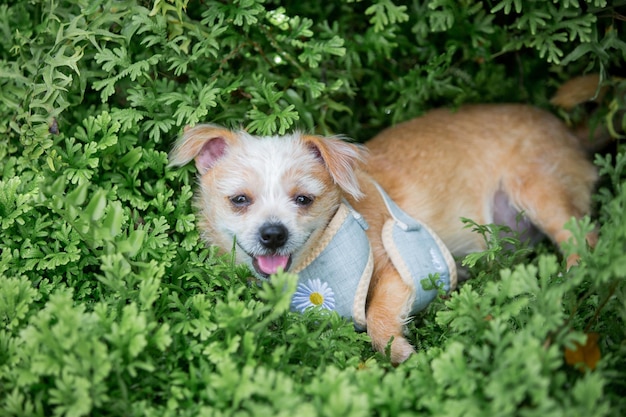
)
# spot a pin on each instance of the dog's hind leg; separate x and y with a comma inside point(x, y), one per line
point(551, 194)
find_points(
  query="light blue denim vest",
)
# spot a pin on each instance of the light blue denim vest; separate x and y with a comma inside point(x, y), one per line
point(337, 275)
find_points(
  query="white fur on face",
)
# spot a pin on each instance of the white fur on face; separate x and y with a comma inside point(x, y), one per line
point(271, 172)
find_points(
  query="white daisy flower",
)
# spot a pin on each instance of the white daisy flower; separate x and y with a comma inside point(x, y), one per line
point(313, 293)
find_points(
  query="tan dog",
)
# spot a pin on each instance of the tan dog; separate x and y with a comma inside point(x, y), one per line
point(271, 198)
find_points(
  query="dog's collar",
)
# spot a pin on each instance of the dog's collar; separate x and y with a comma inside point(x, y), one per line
point(336, 275)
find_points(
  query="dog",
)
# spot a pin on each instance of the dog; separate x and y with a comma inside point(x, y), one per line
point(271, 200)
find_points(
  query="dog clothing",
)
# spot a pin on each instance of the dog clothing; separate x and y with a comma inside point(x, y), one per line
point(337, 274)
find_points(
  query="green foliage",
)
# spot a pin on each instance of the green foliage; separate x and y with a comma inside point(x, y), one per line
point(504, 247)
point(110, 303)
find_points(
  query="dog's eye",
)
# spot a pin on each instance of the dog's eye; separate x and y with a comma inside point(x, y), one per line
point(241, 200)
point(303, 200)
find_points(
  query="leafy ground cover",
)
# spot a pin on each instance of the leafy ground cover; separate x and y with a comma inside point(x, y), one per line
point(110, 304)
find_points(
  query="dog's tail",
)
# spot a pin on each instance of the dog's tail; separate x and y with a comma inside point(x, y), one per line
point(584, 90)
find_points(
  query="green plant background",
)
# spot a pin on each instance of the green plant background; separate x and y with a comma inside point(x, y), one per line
point(110, 304)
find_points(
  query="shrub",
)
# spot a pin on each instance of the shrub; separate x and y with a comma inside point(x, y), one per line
point(110, 304)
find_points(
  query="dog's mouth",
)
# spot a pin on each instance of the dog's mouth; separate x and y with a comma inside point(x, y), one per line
point(266, 265)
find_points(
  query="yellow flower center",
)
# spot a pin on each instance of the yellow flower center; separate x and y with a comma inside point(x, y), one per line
point(316, 298)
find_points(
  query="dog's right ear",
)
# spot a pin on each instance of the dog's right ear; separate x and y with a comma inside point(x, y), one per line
point(341, 159)
point(205, 143)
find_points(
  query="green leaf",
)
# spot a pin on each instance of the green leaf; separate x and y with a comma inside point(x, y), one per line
point(16, 297)
point(385, 12)
point(113, 220)
point(132, 245)
point(96, 207)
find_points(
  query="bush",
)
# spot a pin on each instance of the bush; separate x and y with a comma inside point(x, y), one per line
point(110, 304)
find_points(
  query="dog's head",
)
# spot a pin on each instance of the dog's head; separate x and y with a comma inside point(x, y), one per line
point(270, 197)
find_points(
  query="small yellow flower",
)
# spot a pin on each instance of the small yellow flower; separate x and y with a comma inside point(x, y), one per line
point(316, 298)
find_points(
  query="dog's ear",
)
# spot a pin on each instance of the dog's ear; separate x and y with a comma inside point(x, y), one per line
point(205, 143)
point(341, 159)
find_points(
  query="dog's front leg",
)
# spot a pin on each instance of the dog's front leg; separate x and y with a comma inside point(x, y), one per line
point(387, 313)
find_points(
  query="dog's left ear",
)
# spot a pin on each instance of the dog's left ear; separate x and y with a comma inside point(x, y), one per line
point(205, 143)
point(341, 159)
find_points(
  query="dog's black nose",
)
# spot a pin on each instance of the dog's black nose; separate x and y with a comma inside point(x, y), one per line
point(273, 236)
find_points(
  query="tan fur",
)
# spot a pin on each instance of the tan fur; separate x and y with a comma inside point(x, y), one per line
point(579, 90)
point(447, 165)
point(585, 89)
point(186, 149)
point(438, 168)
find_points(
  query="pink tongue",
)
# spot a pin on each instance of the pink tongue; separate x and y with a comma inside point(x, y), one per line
point(269, 264)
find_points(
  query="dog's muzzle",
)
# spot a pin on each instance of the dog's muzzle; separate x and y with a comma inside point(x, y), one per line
point(272, 236)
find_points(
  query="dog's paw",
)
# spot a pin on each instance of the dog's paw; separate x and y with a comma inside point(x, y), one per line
point(400, 350)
